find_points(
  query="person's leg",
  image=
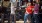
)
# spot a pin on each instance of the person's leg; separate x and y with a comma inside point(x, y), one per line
point(8, 18)
point(36, 18)
point(11, 18)
point(25, 18)
point(14, 18)
point(30, 18)
point(33, 18)
point(2, 18)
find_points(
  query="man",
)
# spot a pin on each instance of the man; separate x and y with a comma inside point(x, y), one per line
point(28, 13)
point(35, 13)
point(13, 16)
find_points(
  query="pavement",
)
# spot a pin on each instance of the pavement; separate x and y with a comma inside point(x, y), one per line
point(20, 22)
point(16, 22)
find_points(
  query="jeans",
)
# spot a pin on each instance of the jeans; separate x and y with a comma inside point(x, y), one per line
point(26, 17)
point(35, 18)
point(13, 18)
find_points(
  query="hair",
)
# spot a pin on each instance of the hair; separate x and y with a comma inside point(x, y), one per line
point(34, 1)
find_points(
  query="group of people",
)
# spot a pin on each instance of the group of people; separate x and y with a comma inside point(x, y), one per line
point(31, 12)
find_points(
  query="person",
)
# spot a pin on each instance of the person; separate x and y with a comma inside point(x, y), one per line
point(13, 15)
point(28, 12)
point(13, 9)
point(0, 9)
point(35, 13)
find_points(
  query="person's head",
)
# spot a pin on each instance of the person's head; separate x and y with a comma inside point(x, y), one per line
point(29, 3)
point(37, 1)
point(34, 3)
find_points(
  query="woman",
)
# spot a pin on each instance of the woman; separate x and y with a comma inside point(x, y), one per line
point(35, 13)
point(28, 13)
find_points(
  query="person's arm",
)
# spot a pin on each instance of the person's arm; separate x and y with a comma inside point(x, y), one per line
point(26, 11)
point(33, 9)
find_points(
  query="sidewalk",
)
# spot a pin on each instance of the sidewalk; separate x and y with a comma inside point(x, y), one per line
point(20, 22)
point(17, 22)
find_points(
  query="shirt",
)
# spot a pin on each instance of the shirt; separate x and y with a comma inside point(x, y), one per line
point(36, 9)
point(12, 8)
point(29, 9)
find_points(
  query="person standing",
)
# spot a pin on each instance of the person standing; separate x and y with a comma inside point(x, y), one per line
point(35, 13)
point(28, 13)
point(13, 8)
